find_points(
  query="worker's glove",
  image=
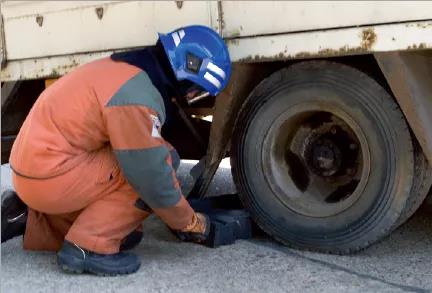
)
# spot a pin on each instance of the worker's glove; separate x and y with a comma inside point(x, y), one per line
point(197, 231)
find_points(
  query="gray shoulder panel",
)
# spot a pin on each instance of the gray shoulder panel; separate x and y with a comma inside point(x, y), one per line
point(150, 175)
point(139, 90)
point(175, 157)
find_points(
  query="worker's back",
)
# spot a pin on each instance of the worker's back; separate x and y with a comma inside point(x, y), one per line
point(66, 122)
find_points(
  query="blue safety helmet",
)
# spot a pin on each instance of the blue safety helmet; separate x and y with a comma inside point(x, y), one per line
point(198, 54)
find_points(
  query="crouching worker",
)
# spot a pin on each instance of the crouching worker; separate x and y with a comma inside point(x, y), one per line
point(89, 163)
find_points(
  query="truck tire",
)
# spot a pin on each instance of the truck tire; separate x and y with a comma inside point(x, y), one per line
point(322, 158)
point(422, 183)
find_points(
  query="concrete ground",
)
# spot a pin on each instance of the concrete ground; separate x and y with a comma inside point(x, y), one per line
point(400, 263)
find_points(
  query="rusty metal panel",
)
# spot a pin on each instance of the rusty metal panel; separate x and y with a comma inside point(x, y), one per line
point(47, 66)
point(65, 34)
point(409, 75)
point(47, 28)
point(336, 42)
point(253, 18)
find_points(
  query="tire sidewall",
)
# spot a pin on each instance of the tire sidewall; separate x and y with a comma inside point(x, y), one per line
point(391, 158)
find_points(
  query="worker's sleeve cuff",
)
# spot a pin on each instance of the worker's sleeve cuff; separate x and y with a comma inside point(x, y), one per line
point(178, 216)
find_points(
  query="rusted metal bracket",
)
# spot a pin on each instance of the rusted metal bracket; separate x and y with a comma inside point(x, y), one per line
point(8, 92)
point(179, 4)
point(409, 75)
point(2, 44)
point(99, 12)
point(217, 147)
point(220, 19)
point(244, 78)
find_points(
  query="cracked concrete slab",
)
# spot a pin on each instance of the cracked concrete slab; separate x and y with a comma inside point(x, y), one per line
point(399, 263)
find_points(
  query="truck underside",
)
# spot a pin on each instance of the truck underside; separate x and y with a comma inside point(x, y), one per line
point(328, 128)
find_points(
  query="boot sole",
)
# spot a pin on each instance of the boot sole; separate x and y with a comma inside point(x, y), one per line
point(9, 203)
point(71, 270)
point(77, 266)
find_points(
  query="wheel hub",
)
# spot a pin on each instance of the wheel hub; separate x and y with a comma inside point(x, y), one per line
point(324, 157)
point(316, 160)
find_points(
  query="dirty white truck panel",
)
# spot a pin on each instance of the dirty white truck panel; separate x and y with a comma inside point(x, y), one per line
point(44, 39)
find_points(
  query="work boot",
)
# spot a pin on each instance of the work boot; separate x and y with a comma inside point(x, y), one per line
point(74, 259)
point(13, 215)
point(131, 240)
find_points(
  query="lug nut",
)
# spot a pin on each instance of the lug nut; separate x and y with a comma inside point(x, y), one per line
point(350, 171)
point(333, 130)
point(352, 146)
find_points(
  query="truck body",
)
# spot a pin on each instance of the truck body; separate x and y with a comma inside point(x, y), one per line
point(327, 118)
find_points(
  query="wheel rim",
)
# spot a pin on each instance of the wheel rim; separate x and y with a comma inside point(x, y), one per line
point(316, 159)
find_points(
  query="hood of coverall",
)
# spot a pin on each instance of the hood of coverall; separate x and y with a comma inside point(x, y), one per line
point(155, 63)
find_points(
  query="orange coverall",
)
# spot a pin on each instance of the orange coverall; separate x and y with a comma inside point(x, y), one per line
point(89, 149)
